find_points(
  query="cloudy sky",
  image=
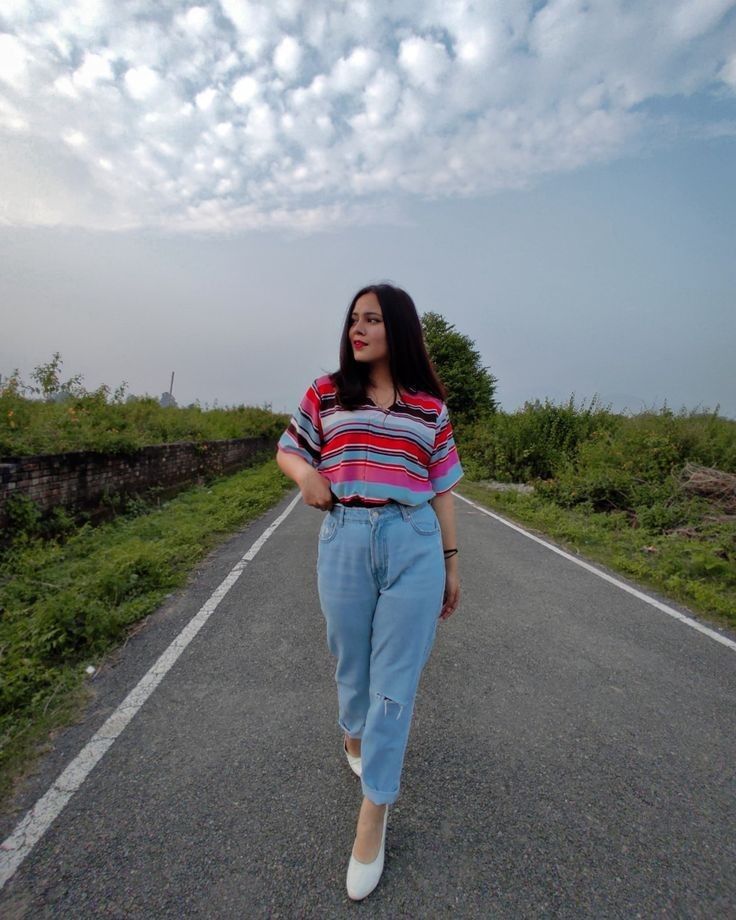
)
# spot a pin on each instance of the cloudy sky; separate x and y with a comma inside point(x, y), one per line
point(201, 188)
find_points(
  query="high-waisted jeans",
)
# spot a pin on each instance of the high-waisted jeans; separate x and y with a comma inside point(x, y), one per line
point(381, 581)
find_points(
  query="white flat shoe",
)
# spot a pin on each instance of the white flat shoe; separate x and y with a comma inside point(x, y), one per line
point(355, 764)
point(363, 877)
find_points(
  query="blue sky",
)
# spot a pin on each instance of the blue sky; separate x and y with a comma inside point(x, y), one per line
point(201, 188)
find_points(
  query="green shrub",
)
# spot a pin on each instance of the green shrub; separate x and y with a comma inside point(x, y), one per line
point(24, 514)
point(32, 426)
point(532, 442)
point(537, 440)
point(659, 518)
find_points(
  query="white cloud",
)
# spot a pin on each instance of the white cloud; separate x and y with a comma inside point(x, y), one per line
point(224, 130)
point(728, 72)
point(205, 98)
point(381, 96)
point(254, 24)
point(94, 67)
point(260, 129)
point(287, 10)
point(74, 138)
point(692, 18)
point(227, 113)
point(475, 48)
point(287, 57)
point(10, 118)
point(82, 20)
point(196, 19)
point(245, 90)
point(425, 61)
point(13, 61)
point(16, 10)
point(350, 73)
point(64, 86)
point(141, 82)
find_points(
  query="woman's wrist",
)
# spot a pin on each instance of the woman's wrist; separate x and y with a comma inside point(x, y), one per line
point(304, 473)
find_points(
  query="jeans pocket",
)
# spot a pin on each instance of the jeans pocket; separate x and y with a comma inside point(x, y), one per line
point(424, 520)
point(328, 530)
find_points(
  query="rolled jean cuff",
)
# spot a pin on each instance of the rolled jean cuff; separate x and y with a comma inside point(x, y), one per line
point(379, 798)
point(347, 731)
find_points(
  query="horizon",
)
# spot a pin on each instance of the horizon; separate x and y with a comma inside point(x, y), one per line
point(62, 395)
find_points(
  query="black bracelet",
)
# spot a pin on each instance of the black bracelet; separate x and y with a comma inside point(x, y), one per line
point(450, 552)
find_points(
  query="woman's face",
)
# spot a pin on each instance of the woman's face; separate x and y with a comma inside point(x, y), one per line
point(367, 331)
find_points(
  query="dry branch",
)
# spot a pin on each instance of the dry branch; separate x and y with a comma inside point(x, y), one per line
point(715, 485)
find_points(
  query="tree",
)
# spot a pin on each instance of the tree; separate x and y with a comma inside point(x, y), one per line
point(52, 389)
point(50, 386)
point(470, 386)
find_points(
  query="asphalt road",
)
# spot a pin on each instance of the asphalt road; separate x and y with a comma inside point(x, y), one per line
point(572, 755)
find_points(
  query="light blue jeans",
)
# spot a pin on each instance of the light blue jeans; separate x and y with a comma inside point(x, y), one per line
point(381, 581)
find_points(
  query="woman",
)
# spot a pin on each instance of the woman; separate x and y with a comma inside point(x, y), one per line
point(372, 445)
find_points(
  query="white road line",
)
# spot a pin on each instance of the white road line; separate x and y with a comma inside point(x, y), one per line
point(38, 820)
point(670, 611)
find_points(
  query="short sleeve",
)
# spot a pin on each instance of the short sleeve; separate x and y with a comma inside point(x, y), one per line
point(303, 435)
point(445, 470)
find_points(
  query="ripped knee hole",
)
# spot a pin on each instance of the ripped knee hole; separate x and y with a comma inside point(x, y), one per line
point(386, 701)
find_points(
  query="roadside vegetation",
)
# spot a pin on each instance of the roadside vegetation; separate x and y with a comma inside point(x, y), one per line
point(65, 603)
point(53, 416)
point(71, 591)
point(652, 496)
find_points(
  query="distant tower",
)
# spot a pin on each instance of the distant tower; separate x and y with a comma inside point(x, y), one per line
point(167, 399)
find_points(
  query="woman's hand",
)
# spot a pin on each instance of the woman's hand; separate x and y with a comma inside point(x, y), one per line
point(452, 592)
point(444, 507)
point(315, 490)
point(314, 487)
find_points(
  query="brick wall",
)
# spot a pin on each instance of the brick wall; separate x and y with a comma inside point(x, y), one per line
point(80, 479)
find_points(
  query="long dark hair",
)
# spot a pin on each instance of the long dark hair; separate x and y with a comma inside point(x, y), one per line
point(409, 363)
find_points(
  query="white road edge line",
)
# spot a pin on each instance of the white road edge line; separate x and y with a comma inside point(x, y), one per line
point(38, 820)
point(670, 611)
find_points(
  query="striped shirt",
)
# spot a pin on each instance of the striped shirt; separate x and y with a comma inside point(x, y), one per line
point(406, 453)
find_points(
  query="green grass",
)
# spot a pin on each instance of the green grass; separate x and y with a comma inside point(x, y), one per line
point(698, 572)
point(64, 605)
